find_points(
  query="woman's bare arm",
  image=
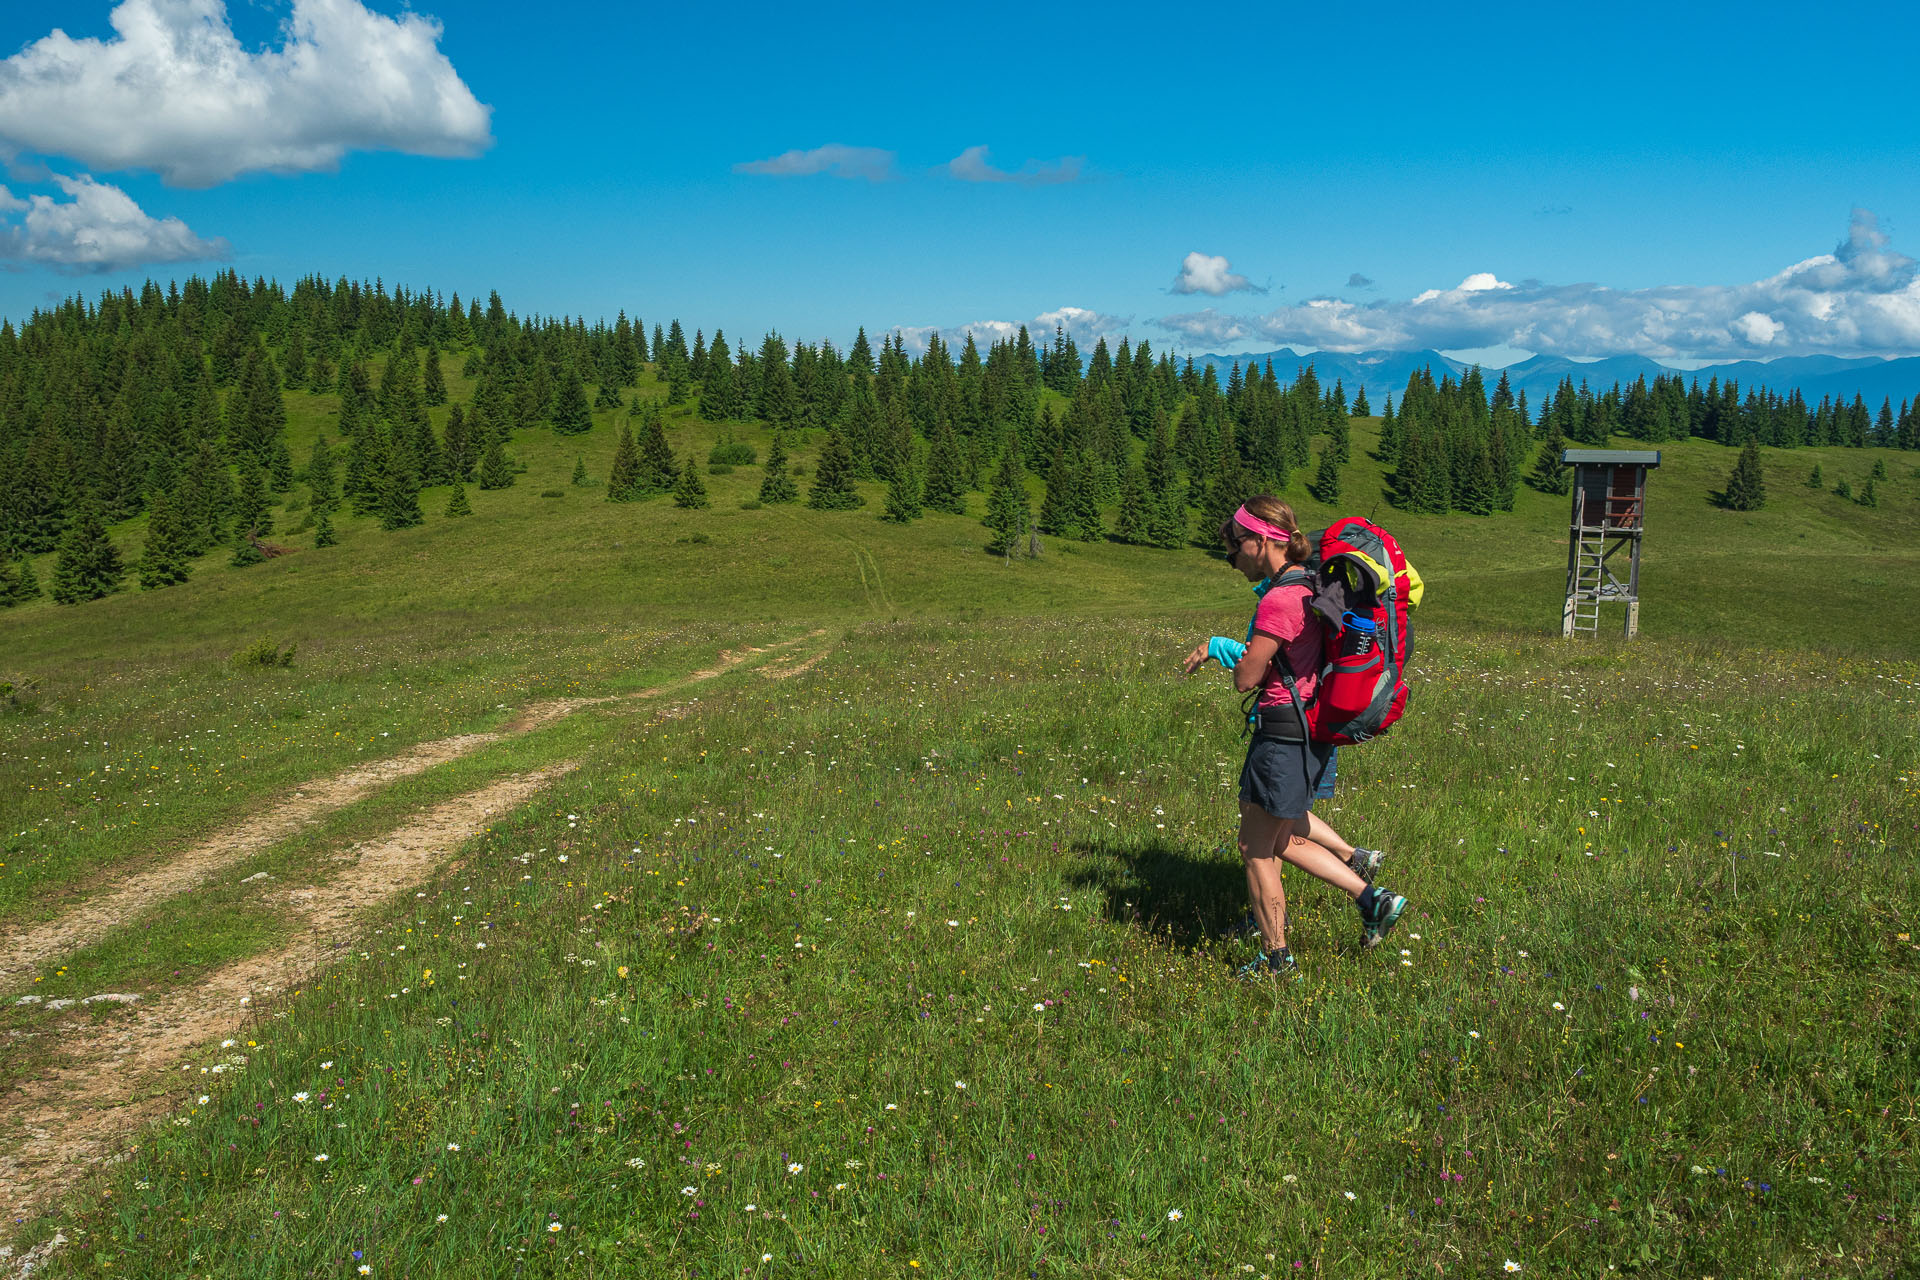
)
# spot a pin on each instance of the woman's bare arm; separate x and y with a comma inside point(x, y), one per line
point(1251, 671)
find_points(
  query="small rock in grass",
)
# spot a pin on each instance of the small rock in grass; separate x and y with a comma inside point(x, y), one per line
point(111, 997)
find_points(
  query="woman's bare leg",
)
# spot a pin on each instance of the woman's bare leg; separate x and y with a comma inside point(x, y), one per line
point(1262, 837)
point(1316, 860)
point(1323, 834)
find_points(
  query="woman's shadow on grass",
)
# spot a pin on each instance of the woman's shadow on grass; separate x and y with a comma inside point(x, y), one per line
point(1193, 899)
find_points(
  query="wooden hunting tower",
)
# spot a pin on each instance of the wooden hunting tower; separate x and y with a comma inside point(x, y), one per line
point(1609, 498)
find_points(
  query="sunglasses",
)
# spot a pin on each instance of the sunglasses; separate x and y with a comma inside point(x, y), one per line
point(1235, 538)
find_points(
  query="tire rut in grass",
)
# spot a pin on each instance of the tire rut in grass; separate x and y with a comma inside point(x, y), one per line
point(107, 1080)
point(24, 950)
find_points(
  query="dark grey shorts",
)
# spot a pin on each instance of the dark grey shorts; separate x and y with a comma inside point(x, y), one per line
point(1282, 777)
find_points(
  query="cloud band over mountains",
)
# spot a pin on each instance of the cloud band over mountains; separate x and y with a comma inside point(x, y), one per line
point(1084, 326)
point(1863, 298)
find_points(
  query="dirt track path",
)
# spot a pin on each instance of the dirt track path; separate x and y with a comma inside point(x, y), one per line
point(109, 1081)
point(22, 951)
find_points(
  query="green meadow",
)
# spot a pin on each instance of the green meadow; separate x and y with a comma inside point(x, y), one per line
point(906, 948)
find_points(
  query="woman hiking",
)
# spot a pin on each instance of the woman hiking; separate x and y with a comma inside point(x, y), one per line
point(1283, 768)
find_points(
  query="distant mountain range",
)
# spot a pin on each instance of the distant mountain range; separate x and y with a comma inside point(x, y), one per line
point(1387, 371)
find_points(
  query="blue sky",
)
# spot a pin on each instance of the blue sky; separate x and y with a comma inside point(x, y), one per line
point(1633, 178)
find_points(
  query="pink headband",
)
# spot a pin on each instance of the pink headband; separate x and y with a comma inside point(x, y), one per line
point(1254, 524)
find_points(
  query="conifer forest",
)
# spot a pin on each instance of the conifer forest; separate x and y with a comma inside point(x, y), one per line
point(173, 402)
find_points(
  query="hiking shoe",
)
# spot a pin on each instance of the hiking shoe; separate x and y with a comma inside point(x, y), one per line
point(1377, 923)
point(1279, 965)
point(1253, 968)
point(1365, 862)
point(1283, 966)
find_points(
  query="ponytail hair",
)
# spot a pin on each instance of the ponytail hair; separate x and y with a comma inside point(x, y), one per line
point(1275, 512)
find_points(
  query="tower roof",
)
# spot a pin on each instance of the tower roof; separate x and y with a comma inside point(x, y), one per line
point(1613, 457)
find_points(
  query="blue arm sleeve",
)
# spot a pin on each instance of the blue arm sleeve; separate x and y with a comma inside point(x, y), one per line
point(1225, 651)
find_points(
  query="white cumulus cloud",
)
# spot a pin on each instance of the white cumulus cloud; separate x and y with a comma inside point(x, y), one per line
point(1205, 273)
point(173, 91)
point(98, 228)
point(1085, 326)
point(971, 166)
point(871, 163)
point(1861, 299)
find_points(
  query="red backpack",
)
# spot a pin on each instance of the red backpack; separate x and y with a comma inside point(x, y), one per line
point(1363, 589)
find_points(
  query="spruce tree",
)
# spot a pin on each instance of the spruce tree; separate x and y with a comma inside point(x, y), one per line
point(1746, 487)
point(495, 471)
point(1814, 480)
point(1425, 464)
point(164, 560)
point(17, 582)
point(776, 485)
point(1339, 439)
point(571, 414)
point(904, 501)
point(253, 510)
point(457, 504)
point(400, 495)
point(946, 486)
point(1389, 452)
point(579, 471)
point(1135, 509)
point(717, 392)
point(1166, 523)
point(294, 361)
point(1843, 489)
point(679, 380)
point(1089, 523)
point(1231, 484)
point(832, 488)
point(659, 470)
point(434, 388)
point(1326, 480)
point(623, 477)
point(280, 465)
point(366, 460)
point(458, 446)
point(690, 491)
point(1481, 493)
point(1504, 435)
point(88, 567)
point(1869, 496)
point(1550, 475)
point(206, 497)
point(322, 482)
point(323, 534)
point(1360, 406)
point(1009, 517)
point(10, 583)
point(1061, 495)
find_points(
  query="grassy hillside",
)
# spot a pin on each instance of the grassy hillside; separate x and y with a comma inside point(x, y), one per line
point(913, 959)
point(522, 550)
